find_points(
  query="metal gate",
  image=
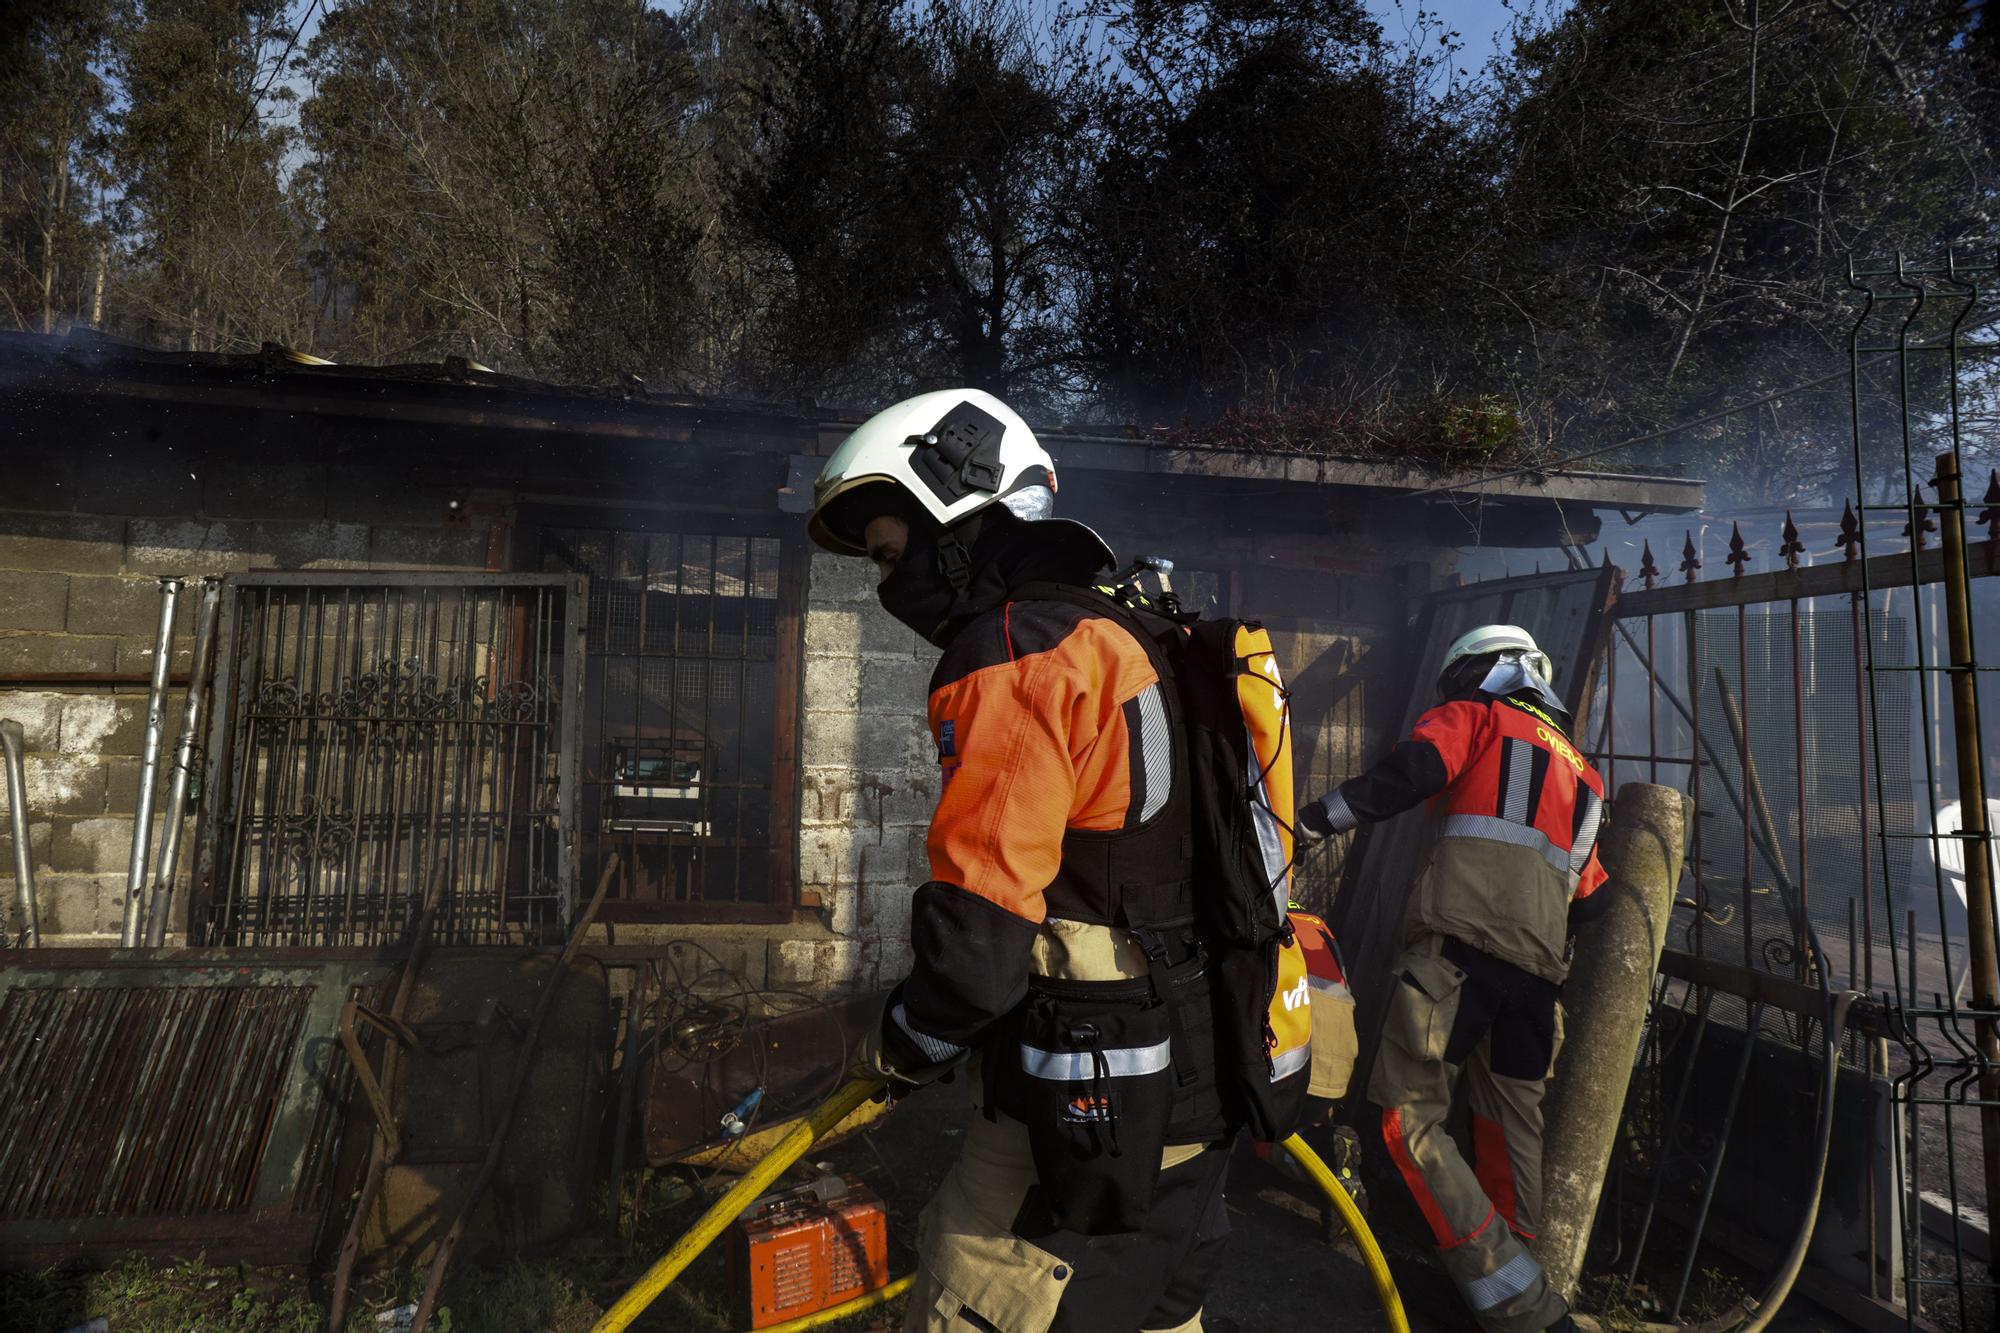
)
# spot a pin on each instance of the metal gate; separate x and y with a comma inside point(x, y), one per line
point(1814, 690)
point(375, 733)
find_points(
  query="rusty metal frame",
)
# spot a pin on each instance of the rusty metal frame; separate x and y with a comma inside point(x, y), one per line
point(778, 856)
point(560, 642)
point(295, 1144)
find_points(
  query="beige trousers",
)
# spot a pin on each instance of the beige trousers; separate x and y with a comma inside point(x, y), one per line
point(973, 1273)
point(1479, 1211)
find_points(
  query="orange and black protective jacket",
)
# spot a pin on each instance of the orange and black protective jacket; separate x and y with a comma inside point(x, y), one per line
point(1064, 801)
point(1517, 810)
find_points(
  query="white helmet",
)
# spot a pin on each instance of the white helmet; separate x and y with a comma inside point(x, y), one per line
point(1521, 663)
point(954, 452)
point(1498, 639)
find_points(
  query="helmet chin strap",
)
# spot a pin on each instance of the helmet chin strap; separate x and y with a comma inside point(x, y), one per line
point(954, 552)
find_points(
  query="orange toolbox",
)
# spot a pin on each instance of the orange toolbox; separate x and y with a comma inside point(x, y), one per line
point(803, 1249)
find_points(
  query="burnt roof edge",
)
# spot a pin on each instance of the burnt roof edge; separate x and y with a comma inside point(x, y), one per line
point(461, 393)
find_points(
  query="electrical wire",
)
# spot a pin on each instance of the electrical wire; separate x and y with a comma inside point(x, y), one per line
point(258, 101)
point(701, 1011)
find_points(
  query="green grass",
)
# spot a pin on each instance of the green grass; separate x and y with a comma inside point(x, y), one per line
point(142, 1297)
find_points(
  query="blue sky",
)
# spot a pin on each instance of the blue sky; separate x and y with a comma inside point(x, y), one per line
point(1476, 21)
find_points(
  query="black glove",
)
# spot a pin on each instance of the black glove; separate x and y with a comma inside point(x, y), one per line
point(1313, 822)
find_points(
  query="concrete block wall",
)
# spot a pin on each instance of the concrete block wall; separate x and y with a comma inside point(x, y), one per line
point(79, 593)
point(868, 781)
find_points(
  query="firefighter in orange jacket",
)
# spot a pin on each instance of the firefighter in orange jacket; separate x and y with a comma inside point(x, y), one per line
point(1088, 1196)
point(1511, 872)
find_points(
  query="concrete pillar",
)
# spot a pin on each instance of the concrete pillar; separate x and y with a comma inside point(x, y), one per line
point(1605, 1003)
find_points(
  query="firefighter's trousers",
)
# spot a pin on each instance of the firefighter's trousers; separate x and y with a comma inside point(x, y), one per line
point(1458, 1014)
point(975, 1272)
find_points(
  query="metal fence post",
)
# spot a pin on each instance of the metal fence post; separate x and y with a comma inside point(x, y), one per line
point(1979, 908)
point(149, 768)
point(160, 901)
point(12, 738)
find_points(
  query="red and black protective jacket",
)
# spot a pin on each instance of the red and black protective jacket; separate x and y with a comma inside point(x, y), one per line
point(1500, 772)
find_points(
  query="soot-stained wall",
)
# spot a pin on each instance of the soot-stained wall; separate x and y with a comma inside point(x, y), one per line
point(106, 496)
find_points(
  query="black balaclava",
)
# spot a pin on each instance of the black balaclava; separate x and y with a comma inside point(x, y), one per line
point(918, 592)
point(996, 552)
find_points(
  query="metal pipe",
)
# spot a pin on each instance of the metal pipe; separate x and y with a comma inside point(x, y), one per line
point(159, 904)
point(1979, 888)
point(12, 739)
point(149, 764)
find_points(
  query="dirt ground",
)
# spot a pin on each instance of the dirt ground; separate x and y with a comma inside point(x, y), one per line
point(1282, 1272)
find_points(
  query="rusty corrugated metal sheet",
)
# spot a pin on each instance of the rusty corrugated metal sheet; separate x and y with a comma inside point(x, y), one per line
point(169, 1103)
point(143, 1101)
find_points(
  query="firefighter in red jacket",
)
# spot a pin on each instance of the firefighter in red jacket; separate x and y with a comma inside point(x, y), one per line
point(1512, 870)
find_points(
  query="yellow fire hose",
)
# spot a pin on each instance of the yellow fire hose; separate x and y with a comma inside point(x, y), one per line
point(740, 1196)
point(835, 1313)
point(1357, 1227)
point(836, 1109)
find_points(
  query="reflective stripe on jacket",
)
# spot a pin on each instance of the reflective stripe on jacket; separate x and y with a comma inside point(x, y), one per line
point(1517, 812)
point(1061, 807)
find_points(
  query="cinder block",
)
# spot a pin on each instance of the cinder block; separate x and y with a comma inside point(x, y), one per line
point(827, 739)
point(832, 684)
point(121, 606)
point(54, 654)
point(31, 601)
point(826, 797)
point(104, 724)
point(911, 801)
point(427, 548)
point(41, 838)
point(135, 656)
point(826, 858)
point(833, 632)
point(814, 966)
point(189, 546)
point(321, 545)
point(882, 635)
point(77, 908)
point(99, 846)
point(886, 744)
point(899, 686)
point(61, 543)
point(121, 780)
point(841, 906)
point(40, 714)
point(835, 580)
point(885, 911)
point(889, 960)
point(60, 785)
point(867, 811)
point(830, 858)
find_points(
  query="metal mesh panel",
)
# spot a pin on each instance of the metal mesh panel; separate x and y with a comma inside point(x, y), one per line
point(679, 723)
point(1808, 777)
